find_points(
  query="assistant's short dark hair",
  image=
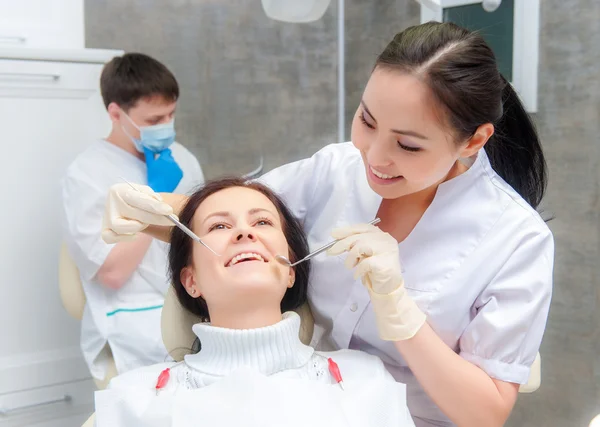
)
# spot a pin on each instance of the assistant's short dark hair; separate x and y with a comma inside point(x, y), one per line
point(180, 252)
point(127, 79)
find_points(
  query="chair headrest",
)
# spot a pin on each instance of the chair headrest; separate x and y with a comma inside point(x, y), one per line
point(176, 325)
point(69, 284)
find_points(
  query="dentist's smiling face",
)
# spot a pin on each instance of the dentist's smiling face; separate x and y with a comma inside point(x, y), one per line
point(244, 226)
point(404, 143)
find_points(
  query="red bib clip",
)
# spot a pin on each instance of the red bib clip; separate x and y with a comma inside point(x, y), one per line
point(335, 372)
point(163, 379)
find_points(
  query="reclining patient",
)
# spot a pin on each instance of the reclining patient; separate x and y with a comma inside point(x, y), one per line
point(249, 339)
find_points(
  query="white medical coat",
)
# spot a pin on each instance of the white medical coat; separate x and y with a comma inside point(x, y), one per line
point(128, 318)
point(478, 264)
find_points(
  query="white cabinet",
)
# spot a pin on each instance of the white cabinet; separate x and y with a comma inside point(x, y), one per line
point(42, 24)
point(62, 405)
point(51, 110)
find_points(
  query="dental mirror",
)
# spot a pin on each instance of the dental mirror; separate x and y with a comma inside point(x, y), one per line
point(283, 260)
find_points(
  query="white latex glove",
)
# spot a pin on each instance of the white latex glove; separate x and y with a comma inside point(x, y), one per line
point(374, 257)
point(130, 211)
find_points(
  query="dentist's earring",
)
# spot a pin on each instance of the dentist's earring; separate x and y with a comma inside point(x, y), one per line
point(193, 292)
point(291, 285)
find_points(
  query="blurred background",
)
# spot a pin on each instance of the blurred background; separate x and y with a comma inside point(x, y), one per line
point(253, 87)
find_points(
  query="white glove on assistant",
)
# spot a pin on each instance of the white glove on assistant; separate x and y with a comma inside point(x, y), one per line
point(374, 257)
point(130, 211)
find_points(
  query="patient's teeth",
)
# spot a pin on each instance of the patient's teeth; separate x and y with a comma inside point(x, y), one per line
point(245, 255)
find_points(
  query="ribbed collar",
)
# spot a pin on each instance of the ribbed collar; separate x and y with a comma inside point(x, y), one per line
point(268, 350)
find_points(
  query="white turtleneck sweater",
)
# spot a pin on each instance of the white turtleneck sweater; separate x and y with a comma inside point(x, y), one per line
point(273, 351)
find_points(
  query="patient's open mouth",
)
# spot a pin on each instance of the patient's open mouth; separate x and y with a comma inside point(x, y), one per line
point(245, 257)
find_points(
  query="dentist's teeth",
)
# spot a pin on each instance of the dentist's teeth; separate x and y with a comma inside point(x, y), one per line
point(382, 175)
point(246, 255)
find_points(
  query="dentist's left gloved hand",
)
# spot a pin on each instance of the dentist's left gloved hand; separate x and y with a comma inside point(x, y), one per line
point(374, 257)
point(164, 174)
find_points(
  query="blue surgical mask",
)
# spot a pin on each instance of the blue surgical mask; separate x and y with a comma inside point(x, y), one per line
point(155, 138)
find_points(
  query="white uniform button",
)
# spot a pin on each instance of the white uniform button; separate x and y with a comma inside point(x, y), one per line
point(354, 307)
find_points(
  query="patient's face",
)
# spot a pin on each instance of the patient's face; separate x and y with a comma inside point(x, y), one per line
point(244, 227)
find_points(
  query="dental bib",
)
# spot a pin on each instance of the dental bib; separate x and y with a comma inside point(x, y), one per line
point(253, 400)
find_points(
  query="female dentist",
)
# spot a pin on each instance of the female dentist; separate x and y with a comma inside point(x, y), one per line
point(457, 278)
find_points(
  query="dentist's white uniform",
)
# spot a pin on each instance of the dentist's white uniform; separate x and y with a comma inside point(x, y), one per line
point(128, 318)
point(478, 264)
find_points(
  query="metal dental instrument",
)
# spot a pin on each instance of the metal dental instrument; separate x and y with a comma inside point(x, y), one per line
point(189, 232)
point(283, 260)
point(182, 227)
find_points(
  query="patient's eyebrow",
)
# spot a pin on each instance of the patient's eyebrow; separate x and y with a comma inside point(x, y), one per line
point(259, 210)
point(221, 214)
point(226, 214)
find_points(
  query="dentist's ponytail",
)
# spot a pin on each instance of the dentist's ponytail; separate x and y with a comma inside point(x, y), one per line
point(515, 151)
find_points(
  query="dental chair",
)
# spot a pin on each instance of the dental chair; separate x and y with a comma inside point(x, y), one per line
point(178, 337)
point(73, 300)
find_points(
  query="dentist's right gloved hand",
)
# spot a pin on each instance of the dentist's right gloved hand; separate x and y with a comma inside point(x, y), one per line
point(130, 211)
point(164, 174)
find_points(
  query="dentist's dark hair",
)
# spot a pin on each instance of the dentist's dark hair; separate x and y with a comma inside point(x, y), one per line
point(180, 252)
point(461, 71)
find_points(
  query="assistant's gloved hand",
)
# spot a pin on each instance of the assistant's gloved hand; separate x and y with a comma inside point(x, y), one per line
point(374, 257)
point(130, 211)
point(164, 174)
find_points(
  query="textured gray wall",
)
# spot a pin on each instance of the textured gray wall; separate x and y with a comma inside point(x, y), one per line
point(569, 123)
point(251, 85)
